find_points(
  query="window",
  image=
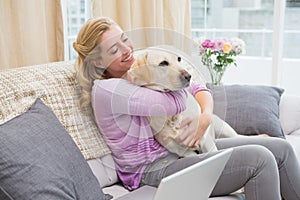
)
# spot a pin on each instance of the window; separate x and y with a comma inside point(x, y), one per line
point(291, 29)
point(251, 21)
point(75, 13)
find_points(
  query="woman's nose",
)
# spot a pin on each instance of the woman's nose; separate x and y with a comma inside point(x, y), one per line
point(125, 48)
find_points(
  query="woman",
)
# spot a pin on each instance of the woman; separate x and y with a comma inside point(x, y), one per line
point(266, 167)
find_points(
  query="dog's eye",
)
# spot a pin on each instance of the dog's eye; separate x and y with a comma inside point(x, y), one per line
point(179, 59)
point(164, 63)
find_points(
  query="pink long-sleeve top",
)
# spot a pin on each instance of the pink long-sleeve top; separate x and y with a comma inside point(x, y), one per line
point(121, 110)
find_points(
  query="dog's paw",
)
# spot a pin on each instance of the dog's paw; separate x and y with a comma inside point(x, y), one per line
point(174, 121)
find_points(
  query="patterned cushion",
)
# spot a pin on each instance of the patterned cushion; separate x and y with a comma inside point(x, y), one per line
point(54, 83)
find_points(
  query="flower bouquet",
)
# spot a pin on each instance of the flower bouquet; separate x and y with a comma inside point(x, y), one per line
point(218, 54)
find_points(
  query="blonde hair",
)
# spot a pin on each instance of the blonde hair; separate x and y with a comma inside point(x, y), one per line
point(88, 51)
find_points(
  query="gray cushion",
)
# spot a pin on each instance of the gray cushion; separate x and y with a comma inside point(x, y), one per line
point(39, 160)
point(249, 109)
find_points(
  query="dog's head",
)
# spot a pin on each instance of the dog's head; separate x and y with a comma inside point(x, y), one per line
point(159, 70)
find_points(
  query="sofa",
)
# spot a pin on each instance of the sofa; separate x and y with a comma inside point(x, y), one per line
point(27, 89)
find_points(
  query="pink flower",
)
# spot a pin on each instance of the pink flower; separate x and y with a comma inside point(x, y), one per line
point(208, 44)
point(220, 43)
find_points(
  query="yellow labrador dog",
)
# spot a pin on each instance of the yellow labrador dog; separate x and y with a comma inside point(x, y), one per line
point(163, 71)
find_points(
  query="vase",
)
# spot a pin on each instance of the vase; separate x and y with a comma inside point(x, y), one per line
point(215, 76)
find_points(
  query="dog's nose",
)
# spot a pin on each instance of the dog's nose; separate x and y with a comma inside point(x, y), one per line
point(186, 75)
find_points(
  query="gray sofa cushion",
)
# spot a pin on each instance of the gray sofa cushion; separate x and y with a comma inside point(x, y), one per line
point(39, 160)
point(249, 109)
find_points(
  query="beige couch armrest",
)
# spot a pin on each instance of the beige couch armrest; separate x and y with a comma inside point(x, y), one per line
point(289, 114)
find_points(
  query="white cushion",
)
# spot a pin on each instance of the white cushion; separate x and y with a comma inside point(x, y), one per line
point(289, 113)
point(104, 170)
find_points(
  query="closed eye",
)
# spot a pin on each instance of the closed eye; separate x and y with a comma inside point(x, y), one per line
point(164, 63)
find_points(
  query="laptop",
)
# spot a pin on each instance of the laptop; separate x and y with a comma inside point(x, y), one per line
point(194, 182)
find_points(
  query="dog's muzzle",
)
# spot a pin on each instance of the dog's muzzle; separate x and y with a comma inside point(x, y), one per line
point(185, 77)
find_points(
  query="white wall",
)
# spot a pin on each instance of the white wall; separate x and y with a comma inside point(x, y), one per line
point(290, 79)
point(258, 71)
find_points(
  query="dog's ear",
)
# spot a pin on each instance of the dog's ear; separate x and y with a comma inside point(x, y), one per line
point(146, 56)
point(143, 59)
point(131, 76)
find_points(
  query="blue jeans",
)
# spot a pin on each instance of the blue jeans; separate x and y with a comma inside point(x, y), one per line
point(267, 168)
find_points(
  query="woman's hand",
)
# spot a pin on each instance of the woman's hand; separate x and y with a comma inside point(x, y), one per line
point(194, 129)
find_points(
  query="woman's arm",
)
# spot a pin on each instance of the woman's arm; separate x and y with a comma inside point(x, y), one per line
point(197, 125)
point(205, 100)
point(126, 98)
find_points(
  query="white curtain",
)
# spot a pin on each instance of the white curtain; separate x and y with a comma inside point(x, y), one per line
point(150, 22)
point(31, 32)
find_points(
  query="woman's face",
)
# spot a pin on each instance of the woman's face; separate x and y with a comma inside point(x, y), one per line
point(116, 52)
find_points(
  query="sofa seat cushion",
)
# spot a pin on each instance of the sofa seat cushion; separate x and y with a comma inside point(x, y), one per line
point(294, 140)
point(39, 160)
point(118, 191)
point(55, 83)
point(115, 191)
point(229, 197)
point(104, 170)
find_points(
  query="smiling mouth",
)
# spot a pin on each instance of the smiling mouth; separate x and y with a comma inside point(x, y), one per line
point(128, 58)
